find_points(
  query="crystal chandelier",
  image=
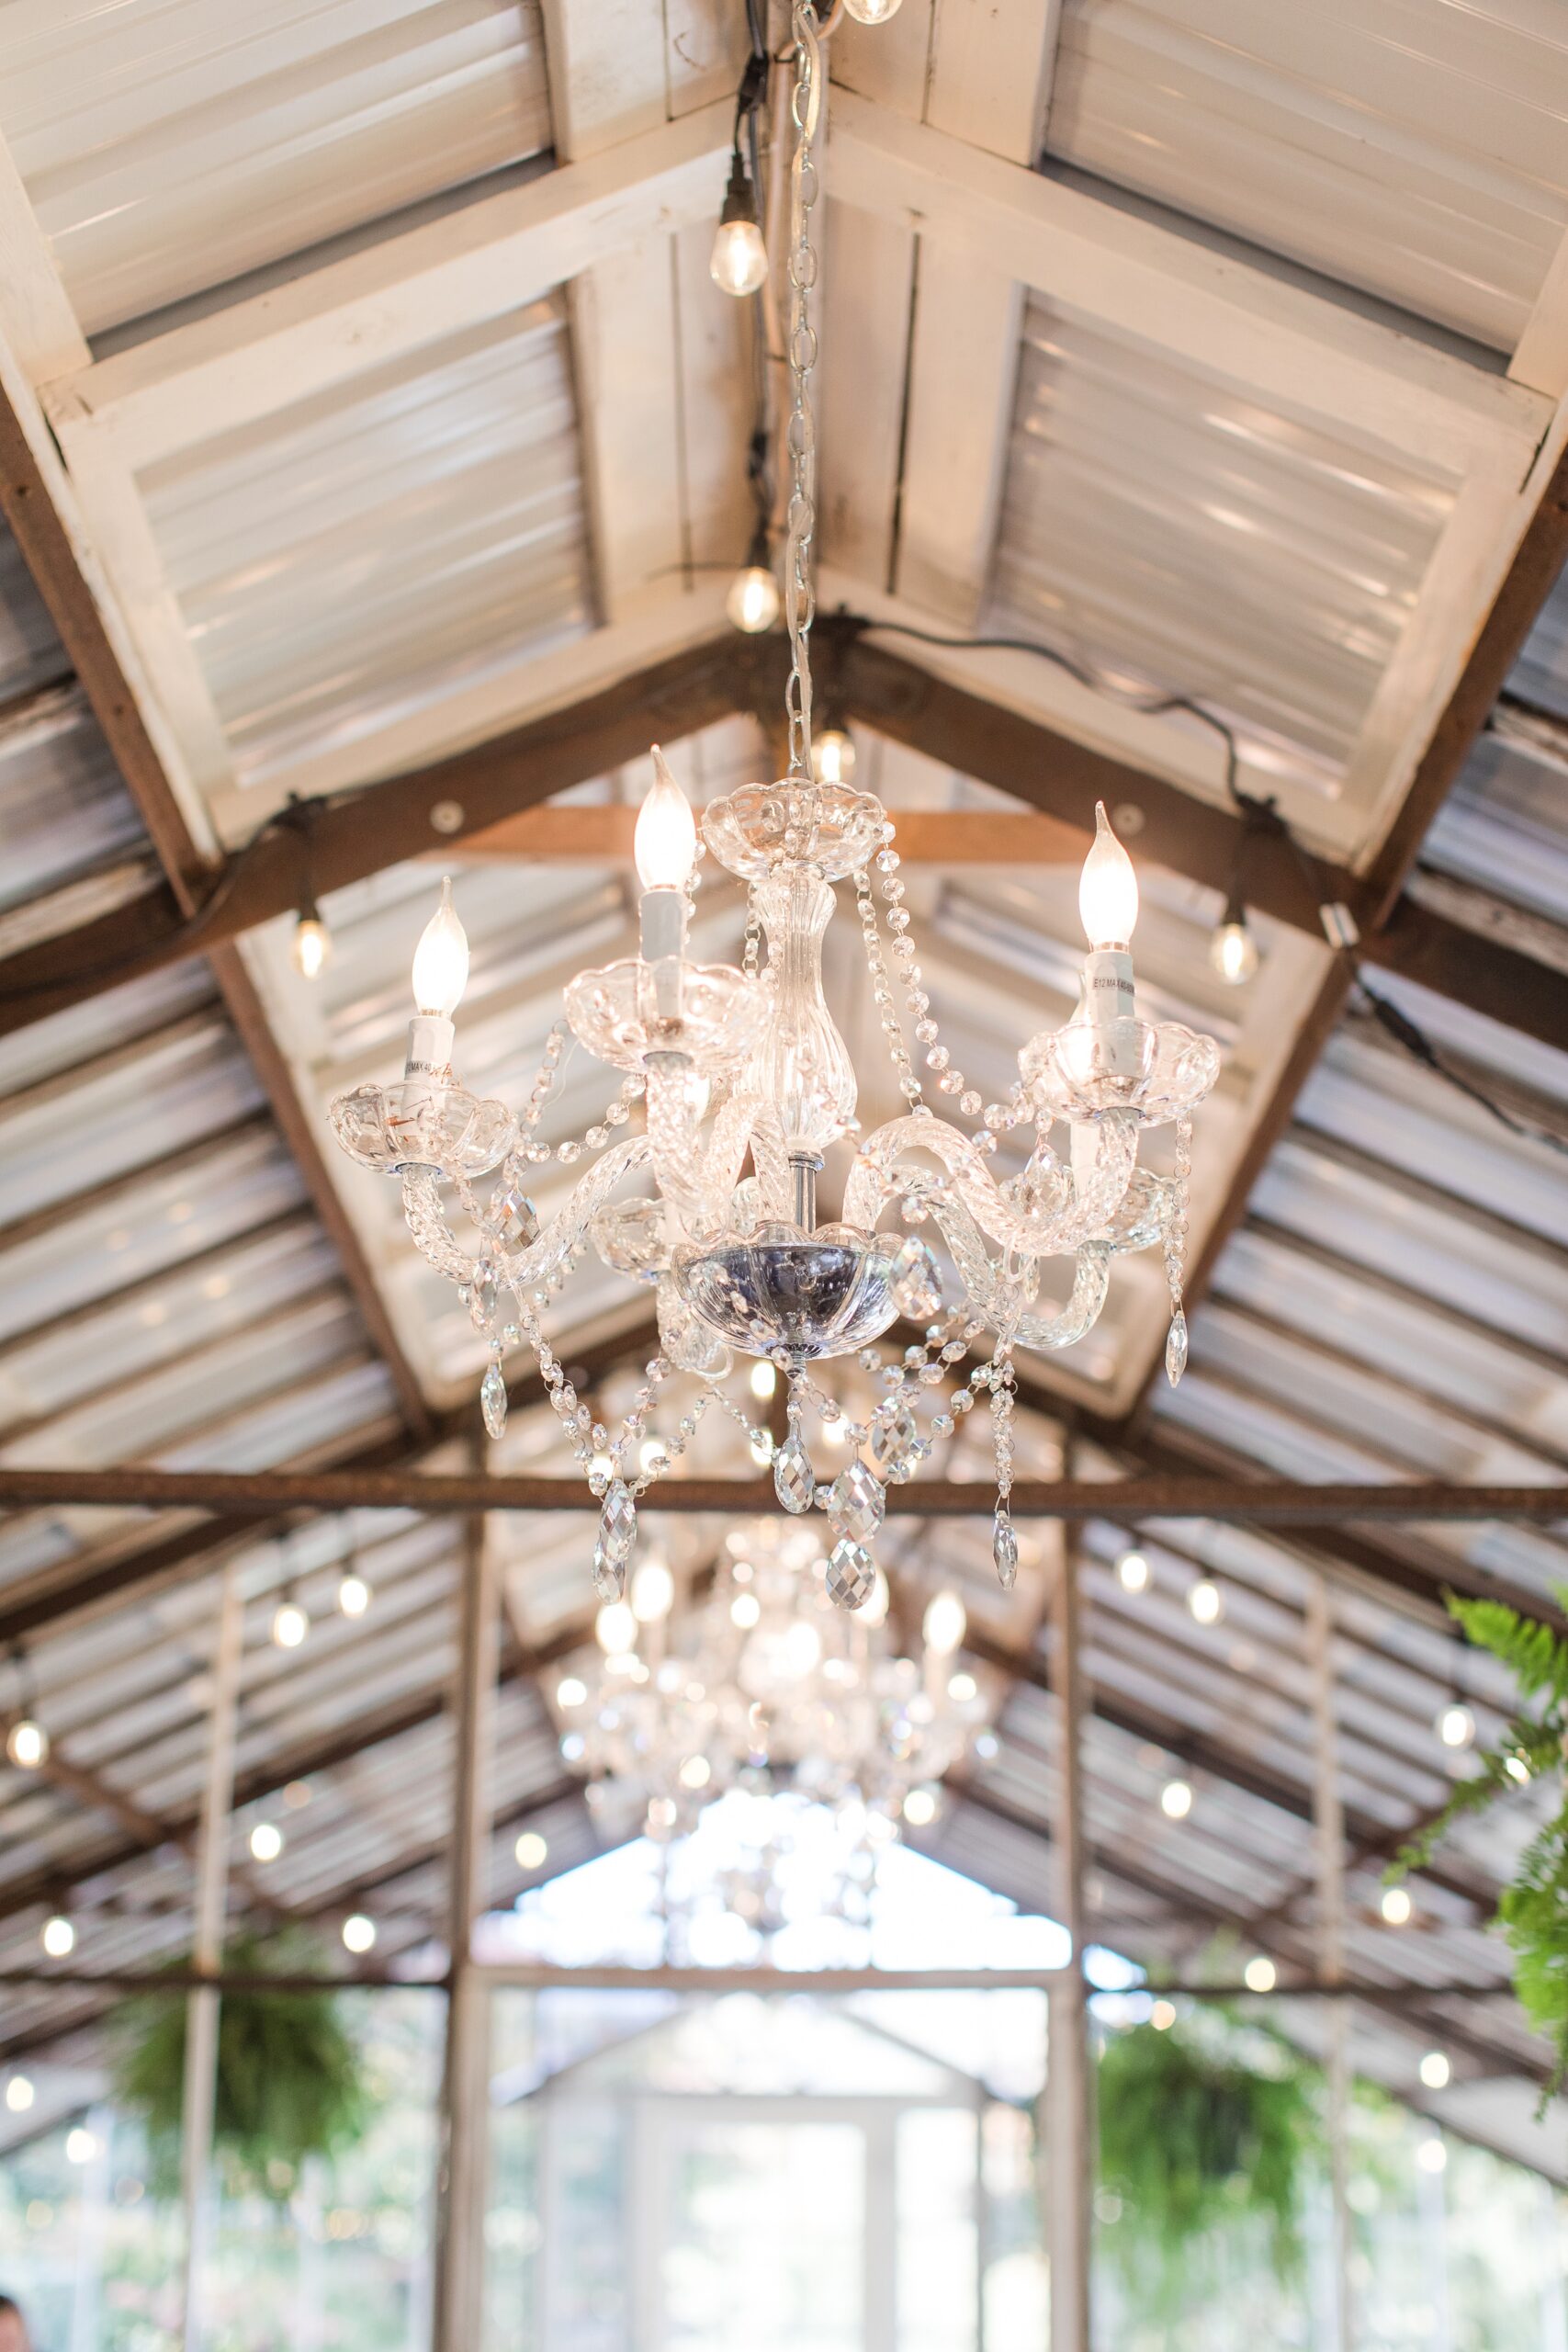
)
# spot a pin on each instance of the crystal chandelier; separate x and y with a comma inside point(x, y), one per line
point(765, 1685)
point(738, 1065)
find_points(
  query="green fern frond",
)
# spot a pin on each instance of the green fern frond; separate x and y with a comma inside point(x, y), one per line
point(1535, 1655)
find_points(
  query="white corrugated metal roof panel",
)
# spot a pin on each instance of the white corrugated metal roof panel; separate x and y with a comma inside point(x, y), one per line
point(356, 555)
point(1162, 527)
point(169, 145)
point(1415, 148)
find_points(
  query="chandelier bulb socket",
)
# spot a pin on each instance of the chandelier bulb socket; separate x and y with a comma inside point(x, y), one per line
point(431, 1042)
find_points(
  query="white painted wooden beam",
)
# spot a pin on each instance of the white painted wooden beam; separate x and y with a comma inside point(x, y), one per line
point(605, 60)
point(394, 296)
point(42, 326)
point(990, 74)
point(1180, 293)
point(963, 376)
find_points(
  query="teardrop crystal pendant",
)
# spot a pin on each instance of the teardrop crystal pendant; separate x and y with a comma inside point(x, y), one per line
point(1004, 1547)
point(1175, 1348)
point(515, 1219)
point(856, 1504)
point(892, 1444)
point(492, 1400)
point(794, 1482)
point(618, 1530)
point(852, 1572)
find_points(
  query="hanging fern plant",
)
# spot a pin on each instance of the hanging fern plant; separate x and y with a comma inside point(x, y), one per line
point(1533, 1912)
point(289, 2084)
point(1199, 2128)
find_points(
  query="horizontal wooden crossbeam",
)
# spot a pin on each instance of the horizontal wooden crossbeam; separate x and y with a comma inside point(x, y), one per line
point(1264, 1502)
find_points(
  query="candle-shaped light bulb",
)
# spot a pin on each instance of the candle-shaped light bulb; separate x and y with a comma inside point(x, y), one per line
point(665, 844)
point(1108, 892)
point(441, 960)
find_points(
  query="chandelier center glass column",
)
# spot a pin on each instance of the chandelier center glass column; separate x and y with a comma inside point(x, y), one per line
point(746, 1084)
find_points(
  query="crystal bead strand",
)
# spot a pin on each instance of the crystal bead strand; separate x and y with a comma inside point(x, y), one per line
point(1004, 1542)
point(1176, 1252)
point(886, 1004)
point(759, 1439)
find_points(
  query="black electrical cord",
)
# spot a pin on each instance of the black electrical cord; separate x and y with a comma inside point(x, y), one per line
point(1259, 815)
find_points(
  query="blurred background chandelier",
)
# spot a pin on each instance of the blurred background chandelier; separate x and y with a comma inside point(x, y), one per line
point(764, 1686)
point(738, 1065)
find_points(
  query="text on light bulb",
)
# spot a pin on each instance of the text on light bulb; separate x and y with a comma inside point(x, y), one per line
point(665, 842)
point(1108, 891)
point(441, 960)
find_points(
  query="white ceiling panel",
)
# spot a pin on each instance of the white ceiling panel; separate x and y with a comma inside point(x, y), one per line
point(1415, 148)
point(206, 138)
point(352, 558)
point(1163, 529)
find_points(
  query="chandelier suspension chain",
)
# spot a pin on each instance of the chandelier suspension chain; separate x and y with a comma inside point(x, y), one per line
point(800, 598)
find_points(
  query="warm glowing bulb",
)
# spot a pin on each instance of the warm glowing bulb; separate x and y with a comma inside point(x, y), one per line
point(1233, 952)
point(739, 263)
point(871, 12)
point(695, 1773)
point(1176, 1800)
point(81, 2145)
point(745, 1610)
point(665, 842)
point(441, 960)
point(1396, 1906)
point(653, 1593)
point(26, 1745)
point(352, 1595)
point(266, 1841)
point(752, 603)
point(1133, 1572)
point(59, 1937)
point(765, 1380)
point(614, 1629)
point(961, 1688)
point(1435, 2071)
point(945, 1623)
point(531, 1850)
point(1258, 1976)
point(1432, 2157)
point(18, 2094)
point(833, 755)
point(919, 1808)
point(312, 948)
point(1108, 892)
point(1455, 1726)
point(290, 1625)
point(1162, 2017)
point(1206, 1601)
point(358, 1932)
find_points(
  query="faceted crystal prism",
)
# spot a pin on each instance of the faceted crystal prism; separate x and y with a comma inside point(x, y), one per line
point(852, 1572)
point(893, 1443)
point(617, 1530)
point(794, 1482)
point(492, 1400)
point(917, 1285)
point(1004, 1547)
point(856, 1504)
point(515, 1219)
point(1175, 1348)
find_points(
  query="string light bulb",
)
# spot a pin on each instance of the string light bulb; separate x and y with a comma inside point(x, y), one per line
point(871, 12)
point(945, 1624)
point(358, 1932)
point(833, 755)
point(289, 1624)
point(441, 960)
point(1455, 1726)
point(652, 1592)
point(1108, 889)
point(1133, 1572)
point(59, 1937)
point(1232, 951)
point(752, 603)
point(26, 1745)
point(352, 1594)
point(739, 263)
point(312, 948)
